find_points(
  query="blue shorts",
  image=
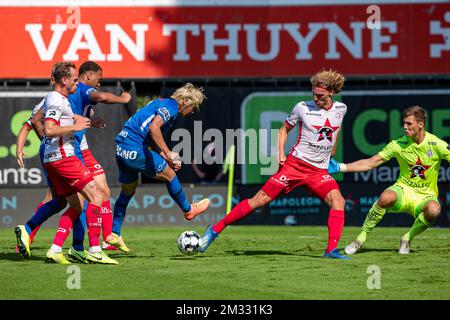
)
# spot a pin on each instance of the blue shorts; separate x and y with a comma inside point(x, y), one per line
point(131, 161)
point(41, 155)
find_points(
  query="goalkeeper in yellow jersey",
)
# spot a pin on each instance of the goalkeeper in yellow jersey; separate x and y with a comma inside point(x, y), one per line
point(419, 154)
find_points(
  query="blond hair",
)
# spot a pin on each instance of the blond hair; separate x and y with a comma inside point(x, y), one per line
point(192, 95)
point(331, 80)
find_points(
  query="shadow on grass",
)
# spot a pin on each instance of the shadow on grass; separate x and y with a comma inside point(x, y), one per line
point(193, 257)
point(363, 251)
point(115, 255)
point(259, 252)
point(16, 257)
point(312, 255)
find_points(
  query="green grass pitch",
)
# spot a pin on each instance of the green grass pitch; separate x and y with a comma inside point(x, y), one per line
point(245, 262)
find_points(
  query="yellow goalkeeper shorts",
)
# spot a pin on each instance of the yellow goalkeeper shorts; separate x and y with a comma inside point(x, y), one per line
point(409, 201)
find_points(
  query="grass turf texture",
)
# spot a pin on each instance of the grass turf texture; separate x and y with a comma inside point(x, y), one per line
point(245, 262)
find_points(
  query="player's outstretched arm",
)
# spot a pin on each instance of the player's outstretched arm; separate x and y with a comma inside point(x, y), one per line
point(107, 97)
point(21, 138)
point(357, 166)
point(365, 164)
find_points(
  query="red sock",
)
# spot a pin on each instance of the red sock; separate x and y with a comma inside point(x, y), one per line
point(240, 211)
point(335, 226)
point(65, 226)
point(33, 233)
point(107, 219)
point(94, 224)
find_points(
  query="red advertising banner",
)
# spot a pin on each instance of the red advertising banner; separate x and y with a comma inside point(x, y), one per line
point(270, 41)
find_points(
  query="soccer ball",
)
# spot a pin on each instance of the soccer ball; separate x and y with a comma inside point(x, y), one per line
point(188, 242)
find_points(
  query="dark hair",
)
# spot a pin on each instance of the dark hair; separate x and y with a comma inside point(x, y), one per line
point(418, 112)
point(61, 70)
point(89, 66)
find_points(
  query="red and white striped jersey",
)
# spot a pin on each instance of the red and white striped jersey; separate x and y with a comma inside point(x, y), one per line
point(57, 109)
point(35, 110)
point(318, 131)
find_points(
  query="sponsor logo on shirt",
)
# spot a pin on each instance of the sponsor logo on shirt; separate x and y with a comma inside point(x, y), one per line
point(313, 114)
point(339, 115)
point(319, 147)
point(51, 155)
point(126, 154)
point(123, 133)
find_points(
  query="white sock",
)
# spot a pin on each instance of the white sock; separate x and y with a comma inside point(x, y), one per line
point(56, 249)
point(95, 249)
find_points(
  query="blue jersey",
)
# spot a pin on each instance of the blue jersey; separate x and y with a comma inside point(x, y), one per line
point(81, 105)
point(136, 131)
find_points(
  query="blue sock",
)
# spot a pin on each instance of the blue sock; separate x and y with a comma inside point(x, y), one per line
point(177, 194)
point(120, 209)
point(79, 230)
point(44, 212)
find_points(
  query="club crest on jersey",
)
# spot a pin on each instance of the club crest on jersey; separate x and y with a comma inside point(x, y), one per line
point(339, 115)
point(418, 169)
point(326, 131)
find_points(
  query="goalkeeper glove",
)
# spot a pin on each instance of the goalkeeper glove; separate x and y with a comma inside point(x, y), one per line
point(333, 166)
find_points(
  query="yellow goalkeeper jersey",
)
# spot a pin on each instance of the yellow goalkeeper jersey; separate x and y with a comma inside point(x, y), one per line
point(419, 163)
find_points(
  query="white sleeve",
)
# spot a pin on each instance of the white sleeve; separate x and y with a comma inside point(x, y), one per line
point(35, 110)
point(295, 115)
point(54, 109)
point(37, 107)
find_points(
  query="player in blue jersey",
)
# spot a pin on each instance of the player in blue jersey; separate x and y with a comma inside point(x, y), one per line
point(145, 130)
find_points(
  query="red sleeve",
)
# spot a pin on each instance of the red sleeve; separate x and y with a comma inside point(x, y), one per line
point(288, 125)
point(51, 119)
